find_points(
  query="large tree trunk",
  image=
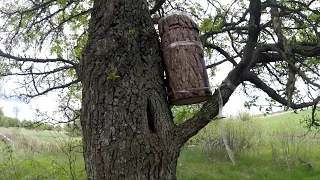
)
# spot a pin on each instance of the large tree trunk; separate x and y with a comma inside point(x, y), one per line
point(126, 121)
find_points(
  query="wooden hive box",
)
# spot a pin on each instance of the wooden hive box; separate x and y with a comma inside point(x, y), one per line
point(186, 73)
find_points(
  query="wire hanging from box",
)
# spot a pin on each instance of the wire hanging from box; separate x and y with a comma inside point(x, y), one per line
point(188, 81)
point(222, 131)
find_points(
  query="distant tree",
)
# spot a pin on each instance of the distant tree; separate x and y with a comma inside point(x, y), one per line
point(10, 122)
point(1, 112)
point(43, 126)
point(1, 121)
point(26, 124)
point(58, 128)
point(73, 129)
point(108, 56)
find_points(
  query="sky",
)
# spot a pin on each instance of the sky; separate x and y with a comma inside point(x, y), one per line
point(46, 103)
point(49, 104)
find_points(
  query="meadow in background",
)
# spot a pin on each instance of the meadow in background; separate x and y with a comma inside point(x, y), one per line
point(272, 147)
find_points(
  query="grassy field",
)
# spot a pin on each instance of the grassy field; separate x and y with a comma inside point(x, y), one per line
point(37, 135)
point(272, 147)
point(265, 148)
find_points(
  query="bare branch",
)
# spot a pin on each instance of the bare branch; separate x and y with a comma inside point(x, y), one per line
point(216, 64)
point(51, 89)
point(34, 8)
point(254, 79)
point(2, 54)
point(38, 73)
point(221, 51)
point(211, 109)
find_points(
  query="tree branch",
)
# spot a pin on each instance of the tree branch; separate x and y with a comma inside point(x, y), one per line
point(157, 6)
point(282, 57)
point(216, 64)
point(34, 8)
point(38, 73)
point(307, 49)
point(254, 79)
point(210, 109)
point(51, 89)
point(2, 54)
point(221, 51)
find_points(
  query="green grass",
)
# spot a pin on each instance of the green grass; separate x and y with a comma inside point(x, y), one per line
point(38, 135)
point(40, 166)
point(193, 164)
point(265, 148)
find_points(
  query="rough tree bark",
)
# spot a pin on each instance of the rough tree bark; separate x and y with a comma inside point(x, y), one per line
point(126, 120)
point(127, 124)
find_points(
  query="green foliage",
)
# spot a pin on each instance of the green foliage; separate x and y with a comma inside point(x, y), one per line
point(13, 122)
point(73, 129)
point(252, 102)
point(62, 26)
point(1, 112)
point(9, 122)
point(209, 25)
point(244, 116)
point(182, 113)
point(265, 148)
point(55, 28)
point(57, 49)
point(112, 75)
point(132, 31)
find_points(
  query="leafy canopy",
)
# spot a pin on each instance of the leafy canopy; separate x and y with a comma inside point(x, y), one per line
point(283, 36)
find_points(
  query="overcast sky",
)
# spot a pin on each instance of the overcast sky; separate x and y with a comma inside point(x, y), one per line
point(48, 103)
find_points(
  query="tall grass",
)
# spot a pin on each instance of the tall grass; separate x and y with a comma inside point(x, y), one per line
point(274, 147)
point(280, 144)
point(32, 157)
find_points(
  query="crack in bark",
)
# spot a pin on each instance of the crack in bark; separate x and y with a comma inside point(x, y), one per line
point(150, 117)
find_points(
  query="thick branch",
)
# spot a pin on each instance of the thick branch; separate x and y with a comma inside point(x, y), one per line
point(208, 112)
point(267, 58)
point(157, 6)
point(307, 49)
point(211, 109)
point(254, 79)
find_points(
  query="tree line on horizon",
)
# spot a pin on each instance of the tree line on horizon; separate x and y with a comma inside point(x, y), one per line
point(8, 122)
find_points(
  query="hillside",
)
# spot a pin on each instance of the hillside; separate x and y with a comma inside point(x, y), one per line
point(268, 147)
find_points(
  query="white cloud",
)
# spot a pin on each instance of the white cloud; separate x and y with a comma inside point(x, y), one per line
point(49, 104)
point(26, 111)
